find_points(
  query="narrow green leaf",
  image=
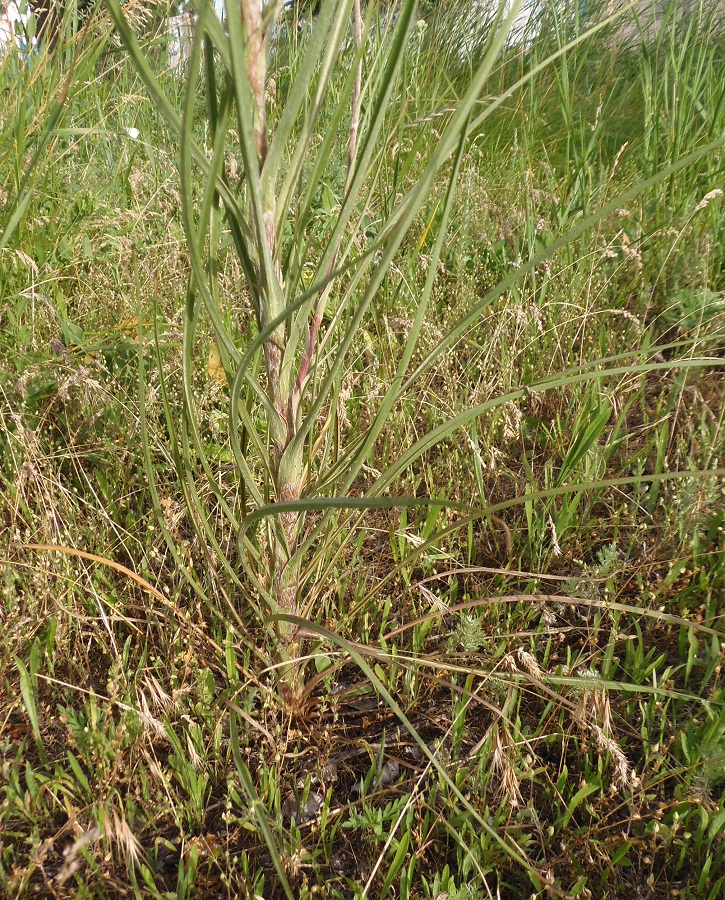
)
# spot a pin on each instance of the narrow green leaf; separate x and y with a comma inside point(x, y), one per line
point(580, 795)
point(397, 862)
point(27, 692)
point(79, 773)
point(256, 805)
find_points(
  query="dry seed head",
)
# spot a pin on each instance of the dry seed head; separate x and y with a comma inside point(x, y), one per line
point(173, 512)
point(294, 863)
point(82, 379)
point(342, 398)
point(125, 839)
point(632, 253)
point(21, 385)
point(502, 746)
point(194, 757)
point(512, 418)
point(619, 155)
point(398, 325)
point(73, 858)
point(539, 196)
point(536, 313)
point(493, 456)
point(555, 548)
point(270, 91)
point(630, 317)
point(527, 663)
point(602, 710)
point(623, 776)
point(581, 713)
point(711, 195)
point(147, 719)
point(233, 167)
point(23, 257)
point(137, 181)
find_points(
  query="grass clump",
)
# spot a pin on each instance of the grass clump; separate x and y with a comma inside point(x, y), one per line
point(361, 460)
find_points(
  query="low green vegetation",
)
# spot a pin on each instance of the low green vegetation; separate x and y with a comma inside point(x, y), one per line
point(378, 551)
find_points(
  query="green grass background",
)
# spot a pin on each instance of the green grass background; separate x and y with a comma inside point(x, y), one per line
point(560, 658)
